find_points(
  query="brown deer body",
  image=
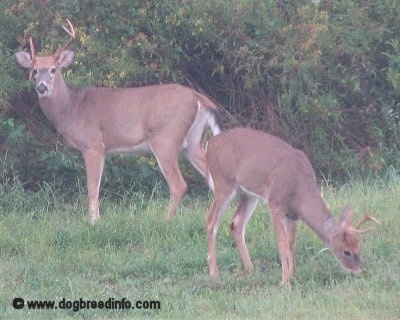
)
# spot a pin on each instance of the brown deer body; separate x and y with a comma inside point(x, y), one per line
point(162, 119)
point(256, 166)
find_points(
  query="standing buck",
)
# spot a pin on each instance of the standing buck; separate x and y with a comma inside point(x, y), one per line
point(260, 166)
point(163, 119)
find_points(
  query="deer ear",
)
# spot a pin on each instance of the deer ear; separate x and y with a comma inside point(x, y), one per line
point(65, 58)
point(24, 59)
point(347, 214)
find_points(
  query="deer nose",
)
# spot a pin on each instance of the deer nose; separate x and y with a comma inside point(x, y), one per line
point(41, 88)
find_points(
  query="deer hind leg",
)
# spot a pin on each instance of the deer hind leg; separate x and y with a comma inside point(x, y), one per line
point(196, 155)
point(193, 150)
point(285, 230)
point(167, 159)
point(218, 208)
point(94, 162)
point(243, 213)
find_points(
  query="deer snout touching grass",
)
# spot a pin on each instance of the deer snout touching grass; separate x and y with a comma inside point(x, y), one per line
point(257, 166)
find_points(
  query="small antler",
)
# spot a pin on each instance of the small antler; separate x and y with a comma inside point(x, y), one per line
point(33, 56)
point(71, 33)
point(363, 220)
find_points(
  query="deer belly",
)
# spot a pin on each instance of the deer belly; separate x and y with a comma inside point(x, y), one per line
point(140, 148)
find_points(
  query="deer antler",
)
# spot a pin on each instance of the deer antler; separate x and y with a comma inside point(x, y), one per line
point(71, 33)
point(365, 219)
point(33, 56)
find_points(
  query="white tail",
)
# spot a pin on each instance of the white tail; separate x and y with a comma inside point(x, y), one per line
point(256, 166)
point(163, 119)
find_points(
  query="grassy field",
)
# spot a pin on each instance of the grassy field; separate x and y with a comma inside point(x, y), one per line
point(49, 251)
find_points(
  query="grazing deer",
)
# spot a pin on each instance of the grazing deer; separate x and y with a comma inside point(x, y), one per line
point(256, 166)
point(163, 119)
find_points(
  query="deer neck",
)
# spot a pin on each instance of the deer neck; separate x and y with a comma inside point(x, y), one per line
point(57, 106)
point(319, 218)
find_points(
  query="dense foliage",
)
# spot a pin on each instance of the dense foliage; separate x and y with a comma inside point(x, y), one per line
point(323, 75)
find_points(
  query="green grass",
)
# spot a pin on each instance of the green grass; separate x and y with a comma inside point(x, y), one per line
point(49, 251)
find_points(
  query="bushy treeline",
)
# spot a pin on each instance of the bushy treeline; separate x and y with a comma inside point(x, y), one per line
point(323, 75)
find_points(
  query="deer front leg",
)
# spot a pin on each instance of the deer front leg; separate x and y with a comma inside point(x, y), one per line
point(94, 162)
point(221, 203)
point(285, 230)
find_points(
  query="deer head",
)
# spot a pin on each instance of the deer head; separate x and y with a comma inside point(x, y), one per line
point(345, 243)
point(45, 70)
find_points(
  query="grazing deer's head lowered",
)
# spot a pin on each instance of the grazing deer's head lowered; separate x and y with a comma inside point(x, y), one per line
point(256, 166)
point(162, 119)
point(344, 241)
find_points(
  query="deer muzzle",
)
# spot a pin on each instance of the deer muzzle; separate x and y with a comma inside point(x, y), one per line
point(42, 88)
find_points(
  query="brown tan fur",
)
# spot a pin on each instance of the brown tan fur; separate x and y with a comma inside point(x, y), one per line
point(255, 165)
point(162, 119)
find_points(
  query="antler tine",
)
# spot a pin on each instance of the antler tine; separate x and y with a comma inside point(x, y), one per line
point(33, 56)
point(365, 219)
point(71, 33)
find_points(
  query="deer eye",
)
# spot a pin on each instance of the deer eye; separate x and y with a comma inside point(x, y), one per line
point(53, 70)
point(34, 72)
point(347, 253)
